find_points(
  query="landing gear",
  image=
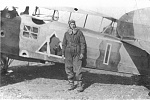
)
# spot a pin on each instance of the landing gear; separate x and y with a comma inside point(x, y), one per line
point(4, 63)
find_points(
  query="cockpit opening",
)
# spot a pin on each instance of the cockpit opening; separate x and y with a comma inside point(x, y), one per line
point(46, 14)
point(37, 21)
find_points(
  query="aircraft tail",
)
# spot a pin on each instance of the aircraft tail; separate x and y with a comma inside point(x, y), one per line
point(134, 28)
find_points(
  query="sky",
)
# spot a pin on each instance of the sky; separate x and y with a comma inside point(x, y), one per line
point(113, 8)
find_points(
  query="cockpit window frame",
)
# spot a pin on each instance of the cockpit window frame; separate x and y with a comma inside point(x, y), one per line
point(30, 33)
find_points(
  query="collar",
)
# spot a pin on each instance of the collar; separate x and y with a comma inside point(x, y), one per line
point(74, 31)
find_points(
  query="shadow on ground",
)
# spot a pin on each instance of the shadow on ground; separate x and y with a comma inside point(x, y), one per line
point(22, 73)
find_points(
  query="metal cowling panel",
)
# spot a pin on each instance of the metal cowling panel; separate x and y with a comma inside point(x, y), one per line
point(10, 41)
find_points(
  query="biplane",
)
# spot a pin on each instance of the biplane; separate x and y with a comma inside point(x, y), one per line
point(123, 46)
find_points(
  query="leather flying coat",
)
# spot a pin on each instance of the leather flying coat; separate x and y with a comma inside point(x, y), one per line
point(75, 41)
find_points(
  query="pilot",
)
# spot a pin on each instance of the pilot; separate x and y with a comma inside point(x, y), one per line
point(73, 49)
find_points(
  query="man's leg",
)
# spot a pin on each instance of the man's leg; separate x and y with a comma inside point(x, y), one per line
point(69, 70)
point(70, 74)
point(77, 64)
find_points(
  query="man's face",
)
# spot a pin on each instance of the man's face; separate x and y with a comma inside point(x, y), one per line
point(72, 25)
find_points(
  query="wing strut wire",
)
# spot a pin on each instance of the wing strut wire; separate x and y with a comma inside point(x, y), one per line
point(85, 21)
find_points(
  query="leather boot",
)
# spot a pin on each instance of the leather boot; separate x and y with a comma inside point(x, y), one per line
point(71, 85)
point(80, 87)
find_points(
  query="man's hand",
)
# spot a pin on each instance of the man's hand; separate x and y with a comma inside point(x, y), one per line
point(63, 57)
point(81, 56)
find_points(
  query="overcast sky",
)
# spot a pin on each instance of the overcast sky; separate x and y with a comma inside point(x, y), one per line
point(113, 8)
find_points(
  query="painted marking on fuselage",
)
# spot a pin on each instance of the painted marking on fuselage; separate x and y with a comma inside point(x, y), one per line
point(108, 58)
point(47, 47)
point(46, 42)
point(107, 54)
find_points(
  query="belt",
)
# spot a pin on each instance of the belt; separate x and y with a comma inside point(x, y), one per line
point(72, 44)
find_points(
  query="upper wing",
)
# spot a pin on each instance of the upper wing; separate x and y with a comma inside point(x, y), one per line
point(76, 10)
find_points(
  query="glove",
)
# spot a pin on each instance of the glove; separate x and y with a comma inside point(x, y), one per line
point(63, 57)
point(81, 56)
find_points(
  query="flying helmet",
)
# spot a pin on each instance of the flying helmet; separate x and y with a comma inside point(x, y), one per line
point(71, 21)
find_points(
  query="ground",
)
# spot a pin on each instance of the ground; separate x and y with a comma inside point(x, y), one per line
point(37, 81)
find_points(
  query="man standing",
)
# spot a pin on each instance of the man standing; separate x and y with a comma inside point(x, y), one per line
point(73, 50)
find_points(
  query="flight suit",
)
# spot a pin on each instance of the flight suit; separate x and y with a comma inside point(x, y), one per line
point(73, 45)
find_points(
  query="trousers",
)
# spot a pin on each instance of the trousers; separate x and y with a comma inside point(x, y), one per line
point(73, 65)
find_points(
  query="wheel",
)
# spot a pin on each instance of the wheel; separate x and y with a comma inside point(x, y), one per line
point(3, 65)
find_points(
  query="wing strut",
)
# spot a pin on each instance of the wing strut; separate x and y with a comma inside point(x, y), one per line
point(85, 21)
point(70, 16)
point(101, 23)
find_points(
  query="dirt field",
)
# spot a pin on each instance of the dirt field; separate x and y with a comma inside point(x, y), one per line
point(49, 82)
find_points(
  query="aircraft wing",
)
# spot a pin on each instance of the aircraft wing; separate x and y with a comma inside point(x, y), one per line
point(76, 10)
